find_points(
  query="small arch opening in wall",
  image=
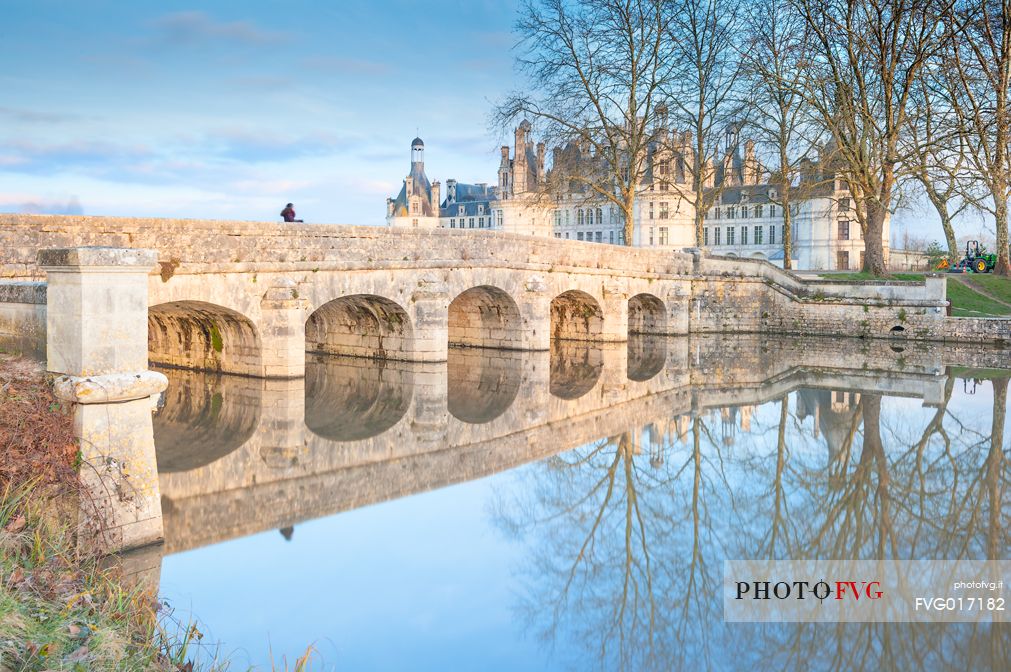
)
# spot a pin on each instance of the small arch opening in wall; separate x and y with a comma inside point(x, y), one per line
point(646, 315)
point(485, 317)
point(361, 325)
point(897, 330)
point(203, 336)
point(576, 316)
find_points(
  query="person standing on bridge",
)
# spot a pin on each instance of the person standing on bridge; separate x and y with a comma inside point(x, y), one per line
point(288, 214)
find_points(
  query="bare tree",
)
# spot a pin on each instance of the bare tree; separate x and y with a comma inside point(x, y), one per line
point(701, 95)
point(596, 70)
point(774, 63)
point(979, 68)
point(937, 152)
point(869, 57)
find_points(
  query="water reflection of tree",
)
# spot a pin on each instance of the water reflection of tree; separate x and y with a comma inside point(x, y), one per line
point(626, 556)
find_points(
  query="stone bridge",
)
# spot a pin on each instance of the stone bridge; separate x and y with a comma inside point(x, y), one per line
point(253, 298)
point(239, 455)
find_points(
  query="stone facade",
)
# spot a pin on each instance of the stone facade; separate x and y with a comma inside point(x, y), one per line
point(746, 219)
point(251, 298)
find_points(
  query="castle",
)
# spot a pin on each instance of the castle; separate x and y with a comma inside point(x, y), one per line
point(744, 221)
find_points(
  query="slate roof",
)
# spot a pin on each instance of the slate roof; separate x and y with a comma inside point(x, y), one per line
point(422, 187)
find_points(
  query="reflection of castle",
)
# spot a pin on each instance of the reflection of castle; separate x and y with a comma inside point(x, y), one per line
point(833, 414)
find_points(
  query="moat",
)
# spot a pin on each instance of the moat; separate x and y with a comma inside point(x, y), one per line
point(573, 509)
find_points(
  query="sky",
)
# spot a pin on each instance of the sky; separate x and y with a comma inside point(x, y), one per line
point(232, 109)
point(229, 109)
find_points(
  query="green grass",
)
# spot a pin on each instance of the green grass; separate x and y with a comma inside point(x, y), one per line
point(965, 302)
point(996, 285)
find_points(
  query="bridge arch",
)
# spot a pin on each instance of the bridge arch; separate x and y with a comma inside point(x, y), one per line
point(350, 399)
point(647, 356)
point(575, 369)
point(481, 384)
point(204, 336)
point(576, 316)
point(647, 314)
point(361, 325)
point(485, 317)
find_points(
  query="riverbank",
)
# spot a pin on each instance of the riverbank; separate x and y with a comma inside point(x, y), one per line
point(61, 607)
point(971, 294)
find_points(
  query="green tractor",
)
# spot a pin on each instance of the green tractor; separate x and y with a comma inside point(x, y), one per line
point(976, 259)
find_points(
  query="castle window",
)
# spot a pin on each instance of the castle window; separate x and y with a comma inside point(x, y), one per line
point(452, 223)
point(480, 209)
point(579, 235)
point(758, 211)
point(744, 235)
point(612, 236)
point(557, 235)
point(579, 217)
point(731, 212)
point(731, 234)
point(651, 209)
point(414, 208)
point(716, 236)
point(663, 210)
point(414, 223)
point(480, 221)
point(759, 231)
point(844, 229)
point(558, 217)
point(600, 216)
point(663, 235)
point(844, 204)
point(566, 235)
point(705, 236)
point(500, 219)
point(471, 222)
point(772, 234)
point(651, 235)
point(599, 236)
point(772, 211)
point(461, 211)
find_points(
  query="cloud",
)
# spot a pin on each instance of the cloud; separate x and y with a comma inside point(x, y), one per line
point(22, 115)
point(347, 66)
point(34, 205)
point(193, 27)
point(258, 145)
point(34, 157)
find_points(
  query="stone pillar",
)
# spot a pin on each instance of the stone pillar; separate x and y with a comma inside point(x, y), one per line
point(282, 330)
point(429, 309)
point(615, 307)
point(678, 304)
point(96, 321)
point(535, 314)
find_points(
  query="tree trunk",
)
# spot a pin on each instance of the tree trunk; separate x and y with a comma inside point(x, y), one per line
point(874, 253)
point(1000, 215)
point(787, 229)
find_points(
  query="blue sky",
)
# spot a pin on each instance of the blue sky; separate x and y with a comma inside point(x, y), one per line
point(231, 109)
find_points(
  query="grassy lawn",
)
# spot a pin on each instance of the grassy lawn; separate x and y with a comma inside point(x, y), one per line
point(992, 284)
point(964, 301)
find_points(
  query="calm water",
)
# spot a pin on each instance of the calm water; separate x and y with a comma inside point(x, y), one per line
point(572, 509)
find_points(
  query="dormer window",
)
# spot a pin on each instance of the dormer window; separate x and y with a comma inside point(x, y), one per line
point(461, 210)
point(744, 198)
point(773, 194)
point(480, 209)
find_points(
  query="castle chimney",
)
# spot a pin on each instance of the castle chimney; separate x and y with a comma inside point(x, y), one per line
point(435, 198)
point(389, 207)
point(541, 176)
point(750, 163)
point(409, 184)
point(450, 191)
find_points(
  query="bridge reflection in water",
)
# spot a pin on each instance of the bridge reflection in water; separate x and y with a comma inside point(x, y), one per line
point(655, 436)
